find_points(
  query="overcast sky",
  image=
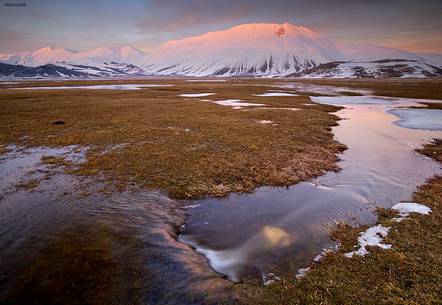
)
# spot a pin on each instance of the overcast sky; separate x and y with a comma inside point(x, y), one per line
point(86, 24)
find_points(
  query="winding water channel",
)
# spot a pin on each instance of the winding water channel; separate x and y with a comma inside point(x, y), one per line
point(275, 228)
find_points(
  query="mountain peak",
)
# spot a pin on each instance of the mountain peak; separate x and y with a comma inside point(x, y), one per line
point(272, 28)
point(49, 49)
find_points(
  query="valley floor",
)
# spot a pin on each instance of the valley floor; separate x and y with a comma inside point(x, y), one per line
point(198, 139)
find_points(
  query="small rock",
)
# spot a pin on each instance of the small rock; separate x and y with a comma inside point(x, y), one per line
point(58, 122)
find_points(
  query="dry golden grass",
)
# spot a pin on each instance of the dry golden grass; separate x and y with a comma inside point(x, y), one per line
point(185, 146)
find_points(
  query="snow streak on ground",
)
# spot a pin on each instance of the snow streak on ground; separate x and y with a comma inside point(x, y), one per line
point(237, 104)
point(196, 94)
point(371, 237)
point(276, 94)
point(374, 236)
point(405, 208)
point(265, 122)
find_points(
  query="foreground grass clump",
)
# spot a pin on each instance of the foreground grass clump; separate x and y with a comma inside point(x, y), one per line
point(409, 273)
point(156, 139)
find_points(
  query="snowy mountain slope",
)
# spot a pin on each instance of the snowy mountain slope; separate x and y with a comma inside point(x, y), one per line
point(432, 58)
point(106, 69)
point(43, 71)
point(370, 52)
point(99, 56)
point(371, 69)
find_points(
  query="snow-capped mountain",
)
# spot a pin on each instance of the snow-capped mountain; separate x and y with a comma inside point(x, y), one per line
point(260, 49)
point(97, 62)
point(128, 55)
point(39, 57)
point(97, 56)
point(245, 49)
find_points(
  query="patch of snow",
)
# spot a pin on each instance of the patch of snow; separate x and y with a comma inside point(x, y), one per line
point(371, 237)
point(265, 122)
point(237, 104)
point(196, 94)
point(302, 273)
point(276, 94)
point(320, 256)
point(405, 208)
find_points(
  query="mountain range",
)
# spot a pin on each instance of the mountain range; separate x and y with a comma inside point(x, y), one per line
point(262, 49)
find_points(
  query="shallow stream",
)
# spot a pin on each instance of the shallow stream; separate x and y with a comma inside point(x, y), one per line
point(280, 230)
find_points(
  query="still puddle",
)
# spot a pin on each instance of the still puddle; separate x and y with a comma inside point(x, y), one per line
point(430, 119)
point(281, 230)
point(305, 88)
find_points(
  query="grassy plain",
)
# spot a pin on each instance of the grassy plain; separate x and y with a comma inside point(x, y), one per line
point(190, 148)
